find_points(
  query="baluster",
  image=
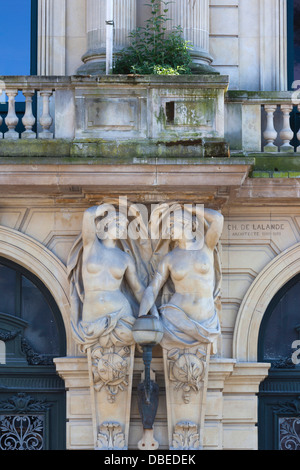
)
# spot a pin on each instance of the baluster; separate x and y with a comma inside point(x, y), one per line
point(28, 118)
point(286, 133)
point(46, 120)
point(298, 133)
point(11, 119)
point(270, 133)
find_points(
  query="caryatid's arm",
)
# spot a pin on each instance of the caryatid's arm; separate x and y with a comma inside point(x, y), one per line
point(214, 232)
point(136, 285)
point(88, 222)
point(152, 291)
point(215, 221)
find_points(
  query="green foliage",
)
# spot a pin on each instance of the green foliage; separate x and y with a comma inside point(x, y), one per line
point(153, 49)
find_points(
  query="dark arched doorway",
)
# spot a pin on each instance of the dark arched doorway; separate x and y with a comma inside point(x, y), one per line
point(279, 395)
point(32, 334)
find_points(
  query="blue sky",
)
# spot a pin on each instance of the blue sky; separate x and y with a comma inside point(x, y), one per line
point(15, 37)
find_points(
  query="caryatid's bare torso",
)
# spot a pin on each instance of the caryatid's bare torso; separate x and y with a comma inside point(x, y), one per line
point(103, 272)
point(104, 266)
point(192, 273)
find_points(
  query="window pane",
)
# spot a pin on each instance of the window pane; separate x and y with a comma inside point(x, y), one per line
point(282, 326)
point(15, 25)
point(42, 331)
point(7, 290)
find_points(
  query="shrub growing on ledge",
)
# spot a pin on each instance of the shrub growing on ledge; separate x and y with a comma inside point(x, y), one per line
point(153, 49)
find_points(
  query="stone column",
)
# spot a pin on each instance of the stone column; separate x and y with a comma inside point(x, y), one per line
point(124, 22)
point(193, 17)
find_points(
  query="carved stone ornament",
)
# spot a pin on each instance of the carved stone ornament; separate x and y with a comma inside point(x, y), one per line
point(186, 436)
point(170, 267)
point(107, 279)
point(186, 370)
point(115, 276)
point(185, 261)
point(111, 437)
point(110, 370)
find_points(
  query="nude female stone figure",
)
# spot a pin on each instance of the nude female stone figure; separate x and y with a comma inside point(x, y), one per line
point(190, 316)
point(104, 314)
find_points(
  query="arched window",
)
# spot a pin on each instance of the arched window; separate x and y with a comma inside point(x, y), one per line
point(279, 396)
point(24, 297)
point(32, 395)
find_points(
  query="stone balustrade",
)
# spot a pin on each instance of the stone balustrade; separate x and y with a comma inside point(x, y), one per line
point(116, 108)
point(36, 123)
point(150, 109)
point(262, 122)
point(270, 134)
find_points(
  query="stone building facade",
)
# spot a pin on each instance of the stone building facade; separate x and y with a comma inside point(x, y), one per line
point(223, 138)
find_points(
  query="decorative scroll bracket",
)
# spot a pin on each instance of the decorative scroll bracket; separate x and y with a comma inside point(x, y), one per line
point(186, 375)
point(110, 372)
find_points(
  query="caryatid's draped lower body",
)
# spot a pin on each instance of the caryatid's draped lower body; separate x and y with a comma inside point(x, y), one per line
point(113, 329)
point(181, 331)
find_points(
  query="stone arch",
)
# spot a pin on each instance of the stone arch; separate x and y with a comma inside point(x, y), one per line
point(36, 258)
point(254, 305)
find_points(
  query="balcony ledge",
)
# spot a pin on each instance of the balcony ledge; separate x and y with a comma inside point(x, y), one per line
point(149, 175)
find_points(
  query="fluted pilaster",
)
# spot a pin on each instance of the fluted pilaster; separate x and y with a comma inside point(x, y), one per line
point(193, 17)
point(124, 18)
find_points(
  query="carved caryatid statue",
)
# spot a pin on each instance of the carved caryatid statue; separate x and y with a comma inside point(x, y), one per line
point(189, 309)
point(186, 283)
point(104, 280)
point(109, 271)
point(107, 279)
